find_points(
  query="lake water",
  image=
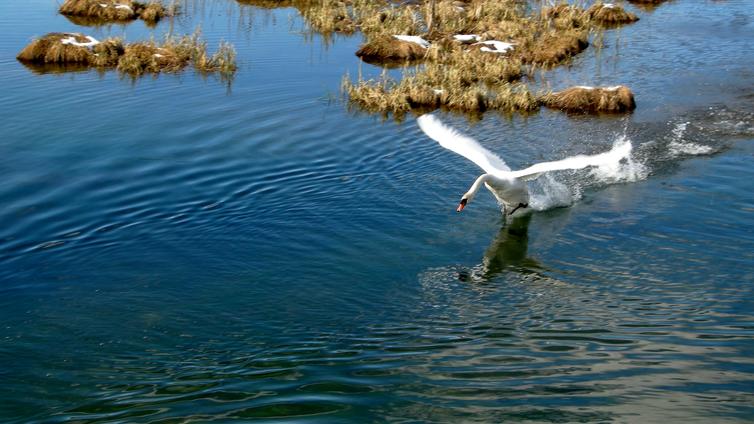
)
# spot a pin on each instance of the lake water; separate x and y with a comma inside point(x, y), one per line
point(181, 249)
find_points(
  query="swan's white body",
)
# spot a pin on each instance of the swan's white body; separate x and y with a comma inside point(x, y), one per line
point(512, 193)
point(509, 187)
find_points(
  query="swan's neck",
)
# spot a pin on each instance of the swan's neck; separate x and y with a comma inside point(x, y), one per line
point(478, 183)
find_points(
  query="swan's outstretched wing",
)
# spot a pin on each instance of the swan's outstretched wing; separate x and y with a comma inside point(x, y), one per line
point(618, 152)
point(464, 146)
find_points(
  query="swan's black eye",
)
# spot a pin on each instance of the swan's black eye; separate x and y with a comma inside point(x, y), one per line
point(464, 201)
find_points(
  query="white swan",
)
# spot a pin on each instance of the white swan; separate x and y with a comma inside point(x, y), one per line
point(509, 187)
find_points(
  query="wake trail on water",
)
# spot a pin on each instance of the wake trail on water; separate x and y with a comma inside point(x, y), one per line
point(698, 134)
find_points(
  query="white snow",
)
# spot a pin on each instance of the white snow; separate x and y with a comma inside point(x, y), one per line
point(72, 41)
point(678, 148)
point(495, 46)
point(413, 39)
point(466, 38)
point(120, 6)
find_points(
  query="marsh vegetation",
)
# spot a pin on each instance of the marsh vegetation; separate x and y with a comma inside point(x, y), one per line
point(615, 99)
point(471, 55)
point(172, 54)
point(106, 11)
point(465, 55)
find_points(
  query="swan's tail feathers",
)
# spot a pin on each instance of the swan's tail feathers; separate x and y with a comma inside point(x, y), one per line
point(620, 151)
point(465, 146)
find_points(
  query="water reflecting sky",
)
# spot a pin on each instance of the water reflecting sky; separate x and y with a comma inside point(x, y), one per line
point(178, 249)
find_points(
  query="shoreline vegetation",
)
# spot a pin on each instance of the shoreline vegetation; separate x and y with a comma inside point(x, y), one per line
point(172, 54)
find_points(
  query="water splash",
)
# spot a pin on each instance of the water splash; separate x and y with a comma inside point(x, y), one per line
point(701, 133)
point(622, 169)
point(563, 189)
point(548, 193)
point(679, 146)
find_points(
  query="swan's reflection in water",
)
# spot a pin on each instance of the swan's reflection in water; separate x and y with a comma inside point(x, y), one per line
point(508, 251)
point(506, 261)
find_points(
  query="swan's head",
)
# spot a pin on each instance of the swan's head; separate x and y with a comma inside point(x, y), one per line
point(465, 201)
point(469, 195)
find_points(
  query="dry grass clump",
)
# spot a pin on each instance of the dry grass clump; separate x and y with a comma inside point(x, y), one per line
point(222, 61)
point(152, 12)
point(512, 98)
point(482, 16)
point(559, 10)
point(108, 52)
point(105, 10)
point(375, 20)
point(328, 16)
point(592, 99)
point(147, 57)
point(472, 65)
point(437, 85)
point(172, 55)
point(114, 10)
point(416, 94)
point(389, 48)
point(565, 16)
point(386, 95)
point(555, 47)
point(51, 49)
point(560, 33)
point(610, 14)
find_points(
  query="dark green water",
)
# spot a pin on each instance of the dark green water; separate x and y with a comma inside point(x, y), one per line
point(176, 249)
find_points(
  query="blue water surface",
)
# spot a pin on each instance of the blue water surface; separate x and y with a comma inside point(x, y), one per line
point(182, 248)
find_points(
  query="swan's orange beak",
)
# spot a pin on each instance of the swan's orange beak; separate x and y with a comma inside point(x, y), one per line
point(461, 205)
